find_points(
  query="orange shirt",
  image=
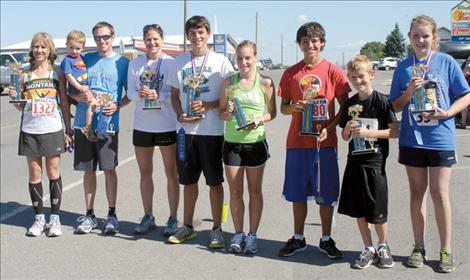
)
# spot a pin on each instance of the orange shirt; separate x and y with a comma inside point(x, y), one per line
point(330, 82)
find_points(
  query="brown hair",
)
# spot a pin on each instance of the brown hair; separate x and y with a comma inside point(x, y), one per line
point(360, 62)
point(46, 38)
point(154, 27)
point(76, 36)
point(426, 20)
point(247, 43)
point(197, 22)
point(103, 24)
point(311, 30)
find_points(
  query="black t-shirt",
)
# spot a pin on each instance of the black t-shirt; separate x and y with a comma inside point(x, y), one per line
point(376, 106)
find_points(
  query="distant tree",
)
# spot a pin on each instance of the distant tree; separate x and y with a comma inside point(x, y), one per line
point(395, 43)
point(409, 49)
point(373, 50)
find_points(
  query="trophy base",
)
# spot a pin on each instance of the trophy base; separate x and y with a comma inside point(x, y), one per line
point(18, 101)
point(433, 111)
point(246, 126)
point(111, 132)
point(152, 108)
point(196, 116)
point(366, 151)
point(311, 134)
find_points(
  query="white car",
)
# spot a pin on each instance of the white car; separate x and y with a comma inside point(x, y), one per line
point(388, 63)
point(5, 59)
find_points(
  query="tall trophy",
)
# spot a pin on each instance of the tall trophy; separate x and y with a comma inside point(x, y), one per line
point(149, 80)
point(424, 99)
point(238, 113)
point(308, 128)
point(361, 145)
point(192, 83)
point(104, 127)
point(15, 81)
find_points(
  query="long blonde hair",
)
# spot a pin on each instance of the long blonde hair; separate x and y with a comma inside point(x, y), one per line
point(46, 38)
point(426, 20)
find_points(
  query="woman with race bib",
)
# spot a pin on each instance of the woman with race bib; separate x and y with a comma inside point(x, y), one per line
point(42, 85)
point(429, 88)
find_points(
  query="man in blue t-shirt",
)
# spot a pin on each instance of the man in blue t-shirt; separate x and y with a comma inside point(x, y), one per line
point(107, 75)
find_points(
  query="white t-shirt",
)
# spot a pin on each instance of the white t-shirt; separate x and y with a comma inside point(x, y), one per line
point(155, 121)
point(216, 69)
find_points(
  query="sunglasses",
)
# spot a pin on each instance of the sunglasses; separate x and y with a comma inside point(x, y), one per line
point(152, 26)
point(104, 37)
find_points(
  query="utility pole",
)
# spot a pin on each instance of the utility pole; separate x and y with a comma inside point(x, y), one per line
point(184, 22)
point(343, 60)
point(256, 31)
point(282, 51)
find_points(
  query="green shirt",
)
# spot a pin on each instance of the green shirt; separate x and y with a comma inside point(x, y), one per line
point(253, 103)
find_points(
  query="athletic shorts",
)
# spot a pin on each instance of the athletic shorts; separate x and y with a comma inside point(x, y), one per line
point(364, 193)
point(202, 154)
point(151, 139)
point(301, 174)
point(245, 155)
point(88, 155)
point(426, 158)
point(41, 145)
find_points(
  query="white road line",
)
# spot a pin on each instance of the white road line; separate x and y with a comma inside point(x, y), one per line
point(46, 197)
point(461, 167)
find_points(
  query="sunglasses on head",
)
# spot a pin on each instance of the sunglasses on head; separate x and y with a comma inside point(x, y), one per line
point(104, 37)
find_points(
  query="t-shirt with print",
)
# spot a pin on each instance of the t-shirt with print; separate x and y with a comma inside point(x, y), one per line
point(217, 67)
point(75, 66)
point(415, 131)
point(376, 108)
point(151, 120)
point(329, 82)
point(106, 76)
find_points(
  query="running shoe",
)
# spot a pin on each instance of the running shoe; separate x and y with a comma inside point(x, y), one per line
point(366, 258)
point(54, 226)
point(236, 242)
point(147, 223)
point(384, 257)
point(182, 234)
point(446, 263)
point(87, 224)
point(38, 226)
point(217, 239)
point(417, 257)
point(251, 244)
point(329, 248)
point(171, 227)
point(111, 225)
point(292, 246)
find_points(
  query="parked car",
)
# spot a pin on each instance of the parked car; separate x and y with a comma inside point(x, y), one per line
point(457, 50)
point(267, 64)
point(375, 63)
point(5, 72)
point(388, 63)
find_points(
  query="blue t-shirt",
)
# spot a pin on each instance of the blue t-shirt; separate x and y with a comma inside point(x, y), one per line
point(450, 85)
point(105, 75)
point(77, 68)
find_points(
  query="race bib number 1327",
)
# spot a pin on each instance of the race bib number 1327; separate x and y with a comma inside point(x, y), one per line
point(43, 107)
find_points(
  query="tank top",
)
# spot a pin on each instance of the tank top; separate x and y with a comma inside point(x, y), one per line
point(41, 113)
point(253, 103)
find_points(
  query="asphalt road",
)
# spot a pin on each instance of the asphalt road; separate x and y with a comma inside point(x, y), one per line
point(150, 257)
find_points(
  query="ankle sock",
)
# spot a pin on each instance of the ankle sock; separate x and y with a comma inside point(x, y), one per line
point(299, 236)
point(325, 238)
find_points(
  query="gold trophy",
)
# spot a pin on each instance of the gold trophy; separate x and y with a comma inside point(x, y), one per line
point(15, 81)
point(424, 99)
point(361, 145)
point(308, 129)
point(193, 83)
point(149, 80)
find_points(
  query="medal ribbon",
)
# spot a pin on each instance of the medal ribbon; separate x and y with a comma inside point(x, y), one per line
point(193, 62)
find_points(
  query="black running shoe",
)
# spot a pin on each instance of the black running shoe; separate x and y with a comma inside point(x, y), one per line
point(292, 246)
point(329, 248)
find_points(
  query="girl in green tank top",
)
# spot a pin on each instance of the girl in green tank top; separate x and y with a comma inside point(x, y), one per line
point(247, 95)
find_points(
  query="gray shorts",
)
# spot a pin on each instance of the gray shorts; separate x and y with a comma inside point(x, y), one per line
point(88, 154)
point(41, 145)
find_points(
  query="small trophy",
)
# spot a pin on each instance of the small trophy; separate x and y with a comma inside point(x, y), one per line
point(104, 127)
point(191, 95)
point(149, 80)
point(307, 115)
point(361, 145)
point(238, 111)
point(15, 81)
point(424, 99)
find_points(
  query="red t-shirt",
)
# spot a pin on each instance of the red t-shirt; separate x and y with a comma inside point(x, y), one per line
point(329, 81)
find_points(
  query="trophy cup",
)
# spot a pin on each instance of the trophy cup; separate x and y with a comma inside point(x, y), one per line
point(15, 81)
point(361, 145)
point(238, 113)
point(307, 115)
point(149, 80)
point(191, 95)
point(104, 127)
point(424, 99)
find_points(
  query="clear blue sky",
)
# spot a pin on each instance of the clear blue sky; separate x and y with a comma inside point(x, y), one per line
point(348, 24)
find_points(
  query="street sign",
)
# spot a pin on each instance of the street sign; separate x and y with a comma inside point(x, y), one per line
point(220, 43)
point(460, 19)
